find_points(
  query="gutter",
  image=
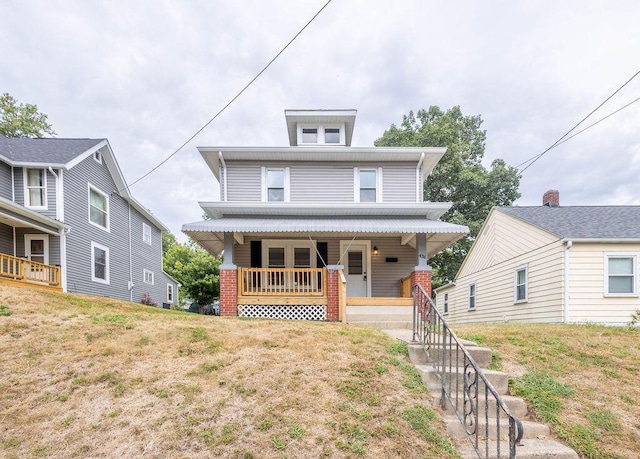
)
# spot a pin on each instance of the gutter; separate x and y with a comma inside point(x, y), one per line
point(629, 240)
point(565, 308)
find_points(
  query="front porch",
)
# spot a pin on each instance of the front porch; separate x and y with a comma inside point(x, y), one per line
point(21, 271)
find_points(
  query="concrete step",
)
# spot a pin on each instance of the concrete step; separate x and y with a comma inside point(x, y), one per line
point(481, 355)
point(381, 317)
point(384, 325)
point(498, 379)
point(529, 449)
point(516, 405)
point(532, 430)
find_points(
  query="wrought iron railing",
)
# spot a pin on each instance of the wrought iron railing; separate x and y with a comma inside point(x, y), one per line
point(468, 393)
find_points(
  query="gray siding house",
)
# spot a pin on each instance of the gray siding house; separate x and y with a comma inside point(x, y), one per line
point(294, 220)
point(68, 221)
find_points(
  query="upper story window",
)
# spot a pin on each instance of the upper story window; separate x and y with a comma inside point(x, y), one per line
point(98, 208)
point(35, 183)
point(147, 276)
point(275, 184)
point(321, 135)
point(332, 135)
point(309, 135)
point(367, 185)
point(146, 233)
point(621, 278)
point(97, 156)
point(521, 284)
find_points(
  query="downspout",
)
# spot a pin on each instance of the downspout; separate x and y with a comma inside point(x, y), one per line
point(63, 232)
point(13, 198)
point(224, 174)
point(130, 283)
point(419, 185)
point(565, 310)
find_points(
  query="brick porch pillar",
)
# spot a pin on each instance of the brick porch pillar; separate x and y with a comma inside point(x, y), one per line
point(228, 292)
point(422, 276)
point(333, 293)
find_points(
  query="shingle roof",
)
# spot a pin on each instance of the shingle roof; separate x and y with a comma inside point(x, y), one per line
point(48, 151)
point(582, 222)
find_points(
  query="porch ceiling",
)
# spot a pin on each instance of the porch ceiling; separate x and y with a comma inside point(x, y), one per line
point(210, 233)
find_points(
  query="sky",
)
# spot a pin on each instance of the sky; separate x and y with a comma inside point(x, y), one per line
point(148, 74)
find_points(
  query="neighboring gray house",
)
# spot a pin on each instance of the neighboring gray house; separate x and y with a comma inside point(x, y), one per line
point(68, 221)
point(291, 218)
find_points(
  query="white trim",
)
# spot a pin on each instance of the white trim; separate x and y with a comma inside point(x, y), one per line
point(445, 304)
point(170, 294)
point(524, 268)
point(344, 245)
point(356, 183)
point(95, 245)
point(45, 246)
point(146, 227)
point(474, 296)
point(287, 183)
point(145, 273)
point(27, 195)
point(106, 197)
point(634, 274)
point(320, 134)
point(97, 156)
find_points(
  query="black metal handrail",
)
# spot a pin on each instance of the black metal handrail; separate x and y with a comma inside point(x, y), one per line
point(466, 391)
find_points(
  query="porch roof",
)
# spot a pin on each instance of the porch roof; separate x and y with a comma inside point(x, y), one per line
point(14, 214)
point(210, 233)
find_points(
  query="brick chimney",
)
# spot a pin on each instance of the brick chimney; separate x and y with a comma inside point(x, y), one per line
point(551, 198)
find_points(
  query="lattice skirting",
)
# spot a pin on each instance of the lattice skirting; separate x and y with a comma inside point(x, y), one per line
point(281, 311)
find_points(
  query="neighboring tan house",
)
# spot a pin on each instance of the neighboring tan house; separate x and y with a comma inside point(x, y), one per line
point(69, 222)
point(290, 218)
point(550, 264)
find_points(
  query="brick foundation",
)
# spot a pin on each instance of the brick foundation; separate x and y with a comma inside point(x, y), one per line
point(422, 277)
point(228, 292)
point(333, 308)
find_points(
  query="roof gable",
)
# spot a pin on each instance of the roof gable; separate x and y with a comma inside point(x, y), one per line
point(45, 151)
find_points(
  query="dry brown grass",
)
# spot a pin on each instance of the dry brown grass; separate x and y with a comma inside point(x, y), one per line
point(90, 377)
point(602, 366)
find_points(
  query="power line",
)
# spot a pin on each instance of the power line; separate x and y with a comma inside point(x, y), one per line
point(532, 160)
point(234, 97)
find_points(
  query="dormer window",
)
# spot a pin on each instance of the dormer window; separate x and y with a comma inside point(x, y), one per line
point(321, 135)
point(309, 135)
point(332, 135)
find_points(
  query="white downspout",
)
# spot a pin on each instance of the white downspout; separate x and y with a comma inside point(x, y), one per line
point(224, 174)
point(130, 283)
point(63, 232)
point(565, 309)
point(419, 185)
point(13, 198)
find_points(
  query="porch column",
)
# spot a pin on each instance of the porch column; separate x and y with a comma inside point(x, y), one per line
point(333, 292)
point(228, 280)
point(422, 273)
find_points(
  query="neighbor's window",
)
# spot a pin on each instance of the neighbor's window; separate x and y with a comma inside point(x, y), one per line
point(36, 188)
point(148, 277)
point(169, 293)
point(472, 296)
point(97, 156)
point(368, 180)
point(521, 284)
point(309, 135)
point(621, 274)
point(99, 263)
point(146, 233)
point(445, 307)
point(331, 135)
point(98, 208)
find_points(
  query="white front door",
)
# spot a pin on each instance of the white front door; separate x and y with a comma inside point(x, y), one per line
point(357, 266)
point(36, 247)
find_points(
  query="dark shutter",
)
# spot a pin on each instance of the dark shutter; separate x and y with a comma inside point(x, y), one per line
point(322, 252)
point(256, 254)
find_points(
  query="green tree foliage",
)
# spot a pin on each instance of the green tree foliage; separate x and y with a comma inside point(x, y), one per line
point(459, 177)
point(22, 120)
point(196, 269)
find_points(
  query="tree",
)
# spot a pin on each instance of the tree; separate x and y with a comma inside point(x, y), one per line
point(22, 120)
point(459, 177)
point(195, 268)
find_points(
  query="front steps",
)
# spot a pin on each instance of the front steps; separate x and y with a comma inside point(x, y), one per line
point(382, 317)
point(536, 442)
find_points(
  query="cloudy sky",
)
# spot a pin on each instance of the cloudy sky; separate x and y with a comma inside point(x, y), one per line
point(147, 74)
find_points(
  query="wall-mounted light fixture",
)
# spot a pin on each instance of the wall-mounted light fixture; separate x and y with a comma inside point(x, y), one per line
point(375, 250)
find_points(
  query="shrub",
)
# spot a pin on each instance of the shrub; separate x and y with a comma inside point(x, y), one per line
point(148, 300)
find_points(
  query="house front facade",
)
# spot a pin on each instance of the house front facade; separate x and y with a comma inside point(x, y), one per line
point(69, 222)
point(551, 264)
point(294, 222)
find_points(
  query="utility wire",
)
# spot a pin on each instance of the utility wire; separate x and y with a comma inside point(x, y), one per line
point(533, 160)
point(234, 97)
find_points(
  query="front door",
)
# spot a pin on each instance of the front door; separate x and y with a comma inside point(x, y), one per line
point(355, 256)
point(36, 248)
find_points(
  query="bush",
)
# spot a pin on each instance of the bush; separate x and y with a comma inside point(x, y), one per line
point(148, 300)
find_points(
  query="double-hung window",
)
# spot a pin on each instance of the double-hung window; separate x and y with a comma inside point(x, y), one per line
point(367, 185)
point(472, 296)
point(521, 285)
point(148, 276)
point(146, 233)
point(321, 135)
point(35, 181)
point(621, 274)
point(98, 208)
point(445, 306)
point(99, 263)
point(275, 184)
point(169, 293)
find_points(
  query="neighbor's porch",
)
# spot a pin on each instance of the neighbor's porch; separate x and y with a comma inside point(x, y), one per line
point(21, 271)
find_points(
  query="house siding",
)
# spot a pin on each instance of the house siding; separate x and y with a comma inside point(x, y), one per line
point(18, 174)
point(587, 300)
point(244, 182)
point(6, 239)
point(317, 182)
point(399, 183)
point(5, 181)
point(386, 277)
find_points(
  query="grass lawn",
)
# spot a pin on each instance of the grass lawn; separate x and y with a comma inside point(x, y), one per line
point(93, 377)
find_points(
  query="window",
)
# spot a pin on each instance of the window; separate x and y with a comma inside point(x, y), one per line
point(620, 273)
point(275, 184)
point(276, 257)
point(98, 208)
point(332, 135)
point(520, 294)
point(472, 296)
point(367, 184)
point(309, 135)
point(148, 277)
point(97, 156)
point(99, 263)
point(301, 257)
point(445, 306)
point(288, 254)
point(35, 188)
point(146, 233)
point(169, 293)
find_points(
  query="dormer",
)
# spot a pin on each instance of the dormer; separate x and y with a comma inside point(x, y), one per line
point(333, 128)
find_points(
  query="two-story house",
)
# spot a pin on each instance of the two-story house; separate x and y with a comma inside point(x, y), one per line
point(296, 224)
point(69, 222)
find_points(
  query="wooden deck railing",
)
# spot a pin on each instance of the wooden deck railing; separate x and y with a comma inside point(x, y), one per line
point(309, 282)
point(405, 287)
point(21, 269)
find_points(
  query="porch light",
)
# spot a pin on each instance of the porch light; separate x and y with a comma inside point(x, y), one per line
point(375, 250)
